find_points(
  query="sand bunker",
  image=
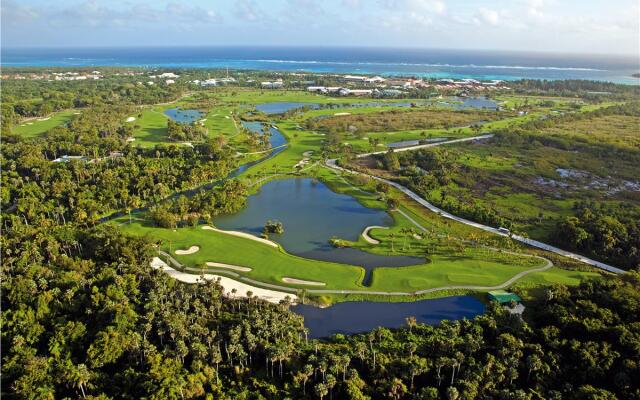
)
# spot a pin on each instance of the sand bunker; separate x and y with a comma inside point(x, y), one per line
point(190, 250)
point(44, 119)
point(130, 139)
point(302, 282)
point(131, 119)
point(228, 266)
point(228, 284)
point(369, 239)
point(305, 159)
point(242, 235)
point(342, 113)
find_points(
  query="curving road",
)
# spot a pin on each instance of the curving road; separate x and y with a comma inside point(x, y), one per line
point(331, 163)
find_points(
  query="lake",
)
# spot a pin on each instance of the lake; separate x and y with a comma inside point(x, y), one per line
point(356, 317)
point(458, 103)
point(283, 106)
point(276, 138)
point(184, 116)
point(311, 214)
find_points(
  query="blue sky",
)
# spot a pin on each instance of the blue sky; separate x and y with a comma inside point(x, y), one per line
point(586, 26)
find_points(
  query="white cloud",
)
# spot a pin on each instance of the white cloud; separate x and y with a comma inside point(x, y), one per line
point(487, 16)
point(248, 10)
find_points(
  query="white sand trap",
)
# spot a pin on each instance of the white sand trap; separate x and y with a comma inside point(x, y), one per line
point(188, 144)
point(29, 123)
point(302, 282)
point(131, 119)
point(227, 117)
point(307, 153)
point(342, 113)
point(130, 139)
point(228, 266)
point(417, 237)
point(242, 235)
point(76, 113)
point(369, 239)
point(227, 283)
point(44, 119)
point(190, 250)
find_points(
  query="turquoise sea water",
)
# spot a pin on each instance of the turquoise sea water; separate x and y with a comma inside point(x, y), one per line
point(383, 61)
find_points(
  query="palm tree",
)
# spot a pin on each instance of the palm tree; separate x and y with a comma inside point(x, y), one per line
point(411, 322)
point(452, 393)
point(417, 366)
point(331, 382)
point(392, 236)
point(321, 390)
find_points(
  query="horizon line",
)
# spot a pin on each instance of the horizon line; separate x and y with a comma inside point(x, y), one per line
point(387, 47)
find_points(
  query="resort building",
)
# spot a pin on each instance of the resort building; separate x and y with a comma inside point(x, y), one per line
point(272, 85)
point(354, 78)
point(168, 75)
point(507, 299)
point(317, 89)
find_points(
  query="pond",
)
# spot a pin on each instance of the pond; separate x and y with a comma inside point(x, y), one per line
point(356, 317)
point(458, 103)
point(184, 116)
point(276, 138)
point(463, 103)
point(311, 214)
point(281, 107)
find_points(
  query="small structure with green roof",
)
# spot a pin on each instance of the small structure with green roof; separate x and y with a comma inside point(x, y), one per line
point(504, 297)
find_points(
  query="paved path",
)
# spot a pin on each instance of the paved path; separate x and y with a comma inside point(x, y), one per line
point(427, 145)
point(369, 239)
point(192, 274)
point(331, 163)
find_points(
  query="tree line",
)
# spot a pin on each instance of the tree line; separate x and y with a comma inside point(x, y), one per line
point(85, 316)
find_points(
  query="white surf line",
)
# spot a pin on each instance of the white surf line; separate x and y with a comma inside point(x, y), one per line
point(242, 235)
point(227, 283)
point(369, 239)
point(331, 163)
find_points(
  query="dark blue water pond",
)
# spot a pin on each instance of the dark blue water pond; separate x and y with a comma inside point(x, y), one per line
point(356, 317)
point(281, 107)
point(311, 214)
point(276, 138)
point(183, 116)
point(462, 103)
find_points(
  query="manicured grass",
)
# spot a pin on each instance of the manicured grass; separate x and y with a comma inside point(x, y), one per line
point(38, 126)
point(268, 264)
point(455, 254)
point(557, 276)
point(151, 127)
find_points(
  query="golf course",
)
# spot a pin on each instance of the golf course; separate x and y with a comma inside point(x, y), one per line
point(415, 253)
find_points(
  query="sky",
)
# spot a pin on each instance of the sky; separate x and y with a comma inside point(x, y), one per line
point(572, 26)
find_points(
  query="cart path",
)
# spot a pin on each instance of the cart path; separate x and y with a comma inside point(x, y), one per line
point(331, 163)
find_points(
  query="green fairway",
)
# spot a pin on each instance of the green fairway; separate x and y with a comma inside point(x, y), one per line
point(150, 127)
point(454, 254)
point(38, 126)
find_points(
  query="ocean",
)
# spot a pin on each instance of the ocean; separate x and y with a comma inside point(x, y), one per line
point(431, 63)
